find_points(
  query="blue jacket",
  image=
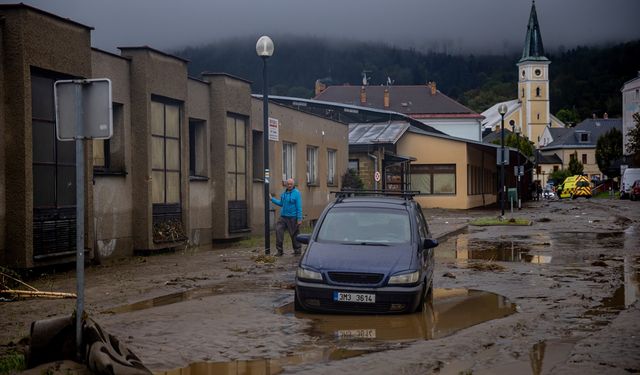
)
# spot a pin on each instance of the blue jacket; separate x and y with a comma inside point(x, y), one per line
point(291, 203)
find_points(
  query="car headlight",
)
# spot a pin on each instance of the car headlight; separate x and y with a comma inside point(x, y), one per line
point(405, 278)
point(304, 273)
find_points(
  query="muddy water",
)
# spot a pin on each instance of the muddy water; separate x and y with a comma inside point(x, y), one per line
point(333, 335)
point(168, 299)
point(464, 248)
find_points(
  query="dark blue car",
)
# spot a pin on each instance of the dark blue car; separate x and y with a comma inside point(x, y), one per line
point(367, 254)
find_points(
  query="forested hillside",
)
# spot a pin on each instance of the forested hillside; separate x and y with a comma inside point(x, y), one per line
point(584, 80)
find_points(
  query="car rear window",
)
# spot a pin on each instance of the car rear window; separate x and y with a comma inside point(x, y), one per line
point(358, 225)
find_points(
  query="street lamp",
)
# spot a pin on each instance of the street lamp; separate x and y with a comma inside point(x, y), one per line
point(502, 109)
point(264, 49)
point(516, 130)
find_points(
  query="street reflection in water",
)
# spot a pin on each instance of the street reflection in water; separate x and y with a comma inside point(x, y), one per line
point(462, 248)
point(450, 311)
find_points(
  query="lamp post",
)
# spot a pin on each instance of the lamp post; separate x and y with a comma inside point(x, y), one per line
point(502, 109)
point(516, 130)
point(264, 49)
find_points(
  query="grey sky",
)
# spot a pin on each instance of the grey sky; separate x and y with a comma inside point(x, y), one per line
point(458, 25)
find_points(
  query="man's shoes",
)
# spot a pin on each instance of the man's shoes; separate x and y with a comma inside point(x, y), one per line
point(279, 254)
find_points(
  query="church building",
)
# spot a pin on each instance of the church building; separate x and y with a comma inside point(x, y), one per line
point(530, 113)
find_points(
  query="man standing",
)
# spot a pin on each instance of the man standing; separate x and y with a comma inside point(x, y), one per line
point(290, 216)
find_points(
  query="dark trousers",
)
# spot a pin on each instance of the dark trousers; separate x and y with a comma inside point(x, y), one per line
point(290, 224)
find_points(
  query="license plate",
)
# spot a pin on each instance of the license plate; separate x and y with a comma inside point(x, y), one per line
point(354, 297)
point(356, 334)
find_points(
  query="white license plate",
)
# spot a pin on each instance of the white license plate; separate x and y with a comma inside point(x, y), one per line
point(356, 334)
point(354, 297)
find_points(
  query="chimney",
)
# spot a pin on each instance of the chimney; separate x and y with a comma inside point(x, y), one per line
point(432, 85)
point(605, 116)
point(320, 87)
point(386, 98)
point(363, 95)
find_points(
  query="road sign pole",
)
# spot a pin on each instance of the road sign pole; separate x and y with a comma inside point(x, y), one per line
point(79, 220)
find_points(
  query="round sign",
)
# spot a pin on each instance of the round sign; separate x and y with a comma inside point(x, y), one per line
point(376, 176)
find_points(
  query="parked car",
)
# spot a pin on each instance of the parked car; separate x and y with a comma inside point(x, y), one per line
point(367, 254)
point(574, 187)
point(634, 192)
point(627, 179)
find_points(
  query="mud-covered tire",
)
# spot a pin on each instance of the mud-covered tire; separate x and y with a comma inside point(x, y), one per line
point(423, 294)
point(297, 306)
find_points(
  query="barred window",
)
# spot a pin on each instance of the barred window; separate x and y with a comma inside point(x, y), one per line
point(312, 165)
point(331, 167)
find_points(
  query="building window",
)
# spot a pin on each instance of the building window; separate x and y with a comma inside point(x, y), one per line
point(537, 91)
point(354, 164)
point(257, 150)
point(523, 93)
point(236, 158)
point(584, 137)
point(312, 165)
point(197, 148)
point(331, 167)
point(584, 158)
point(108, 154)
point(288, 161)
point(538, 116)
point(434, 178)
point(165, 152)
point(556, 168)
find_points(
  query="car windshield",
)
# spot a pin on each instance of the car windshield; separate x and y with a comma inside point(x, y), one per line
point(365, 226)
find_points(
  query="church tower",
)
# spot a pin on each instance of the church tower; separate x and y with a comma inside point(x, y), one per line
point(533, 82)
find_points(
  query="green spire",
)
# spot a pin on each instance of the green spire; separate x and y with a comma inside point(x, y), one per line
point(533, 49)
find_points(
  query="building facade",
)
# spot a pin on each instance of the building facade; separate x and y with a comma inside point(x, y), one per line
point(630, 106)
point(180, 169)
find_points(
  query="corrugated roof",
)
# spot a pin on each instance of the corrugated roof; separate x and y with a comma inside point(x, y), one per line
point(390, 132)
point(410, 100)
point(492, 117)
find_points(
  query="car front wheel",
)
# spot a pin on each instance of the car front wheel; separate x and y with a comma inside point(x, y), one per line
point(297, 306)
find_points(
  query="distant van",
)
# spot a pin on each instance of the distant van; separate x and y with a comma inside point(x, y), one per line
point(574, 187)
point(627, 179)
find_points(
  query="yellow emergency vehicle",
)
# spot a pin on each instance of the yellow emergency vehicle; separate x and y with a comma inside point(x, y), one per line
point(574, 187)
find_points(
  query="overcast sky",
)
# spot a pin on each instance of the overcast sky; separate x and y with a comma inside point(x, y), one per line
point(460, 25)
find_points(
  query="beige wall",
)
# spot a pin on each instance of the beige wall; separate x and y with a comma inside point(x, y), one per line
point(304, 130)
point(591, 167)
point(431, 150)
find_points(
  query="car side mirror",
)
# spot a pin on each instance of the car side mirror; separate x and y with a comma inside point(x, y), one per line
point(429, 243)
point(303, 238)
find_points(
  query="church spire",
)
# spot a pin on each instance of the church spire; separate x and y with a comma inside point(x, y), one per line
point(533, 49)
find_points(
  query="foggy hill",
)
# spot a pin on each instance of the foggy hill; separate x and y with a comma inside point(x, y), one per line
point(584, 79)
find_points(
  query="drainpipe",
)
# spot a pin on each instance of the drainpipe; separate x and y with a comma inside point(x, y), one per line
point(375, 169)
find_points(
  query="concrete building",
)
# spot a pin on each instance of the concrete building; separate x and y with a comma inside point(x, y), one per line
point(579, 141)
point(181, 168)
point(630, 105)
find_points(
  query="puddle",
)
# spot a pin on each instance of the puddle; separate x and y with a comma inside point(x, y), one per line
point(462, 248)
point(594, 239)
point(626, 294)
point(452, 310)
point(168, 299)
point(264, 366)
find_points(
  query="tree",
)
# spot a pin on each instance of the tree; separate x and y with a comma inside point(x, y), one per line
point(609, 153)
point(633, 141)
point(569, 116)
point(575, 167)
point(560, 175)
point(521, 143)
point(351, 180)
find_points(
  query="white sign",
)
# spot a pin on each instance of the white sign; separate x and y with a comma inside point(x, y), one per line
point(83, 109)
point(274, 129)
point(376, 176)
point(504, 158)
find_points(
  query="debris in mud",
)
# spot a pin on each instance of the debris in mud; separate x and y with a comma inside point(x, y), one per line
point(488, 266)
point(599, 263)
point(264, 259)
point(168, 231)
point(449, 275)
point(544, 220)
point(235, 268)
point(621, 220)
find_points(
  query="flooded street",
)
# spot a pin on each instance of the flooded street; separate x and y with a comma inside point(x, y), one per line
point(558, 296)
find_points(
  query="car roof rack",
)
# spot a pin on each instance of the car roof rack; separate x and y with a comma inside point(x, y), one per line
point(344, 193)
